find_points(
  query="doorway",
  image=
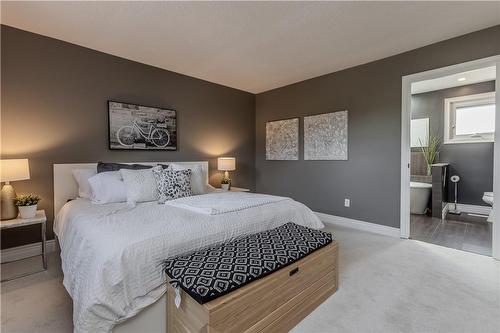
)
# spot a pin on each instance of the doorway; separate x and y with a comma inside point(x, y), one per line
point(452, 134)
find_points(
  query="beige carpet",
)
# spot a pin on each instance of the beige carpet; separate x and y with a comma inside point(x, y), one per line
point(386, 285)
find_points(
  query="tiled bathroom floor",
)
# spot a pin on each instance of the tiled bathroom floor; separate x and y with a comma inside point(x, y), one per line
point(462, 232)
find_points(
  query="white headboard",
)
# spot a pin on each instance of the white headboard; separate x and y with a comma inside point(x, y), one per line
point(65, 186)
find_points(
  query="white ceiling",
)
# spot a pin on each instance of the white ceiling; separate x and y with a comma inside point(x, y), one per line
point(455, 80)
point(252, 46)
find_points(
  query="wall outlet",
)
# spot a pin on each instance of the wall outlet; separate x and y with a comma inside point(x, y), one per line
point(347, 202)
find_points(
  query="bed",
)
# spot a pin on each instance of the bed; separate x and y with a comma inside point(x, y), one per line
point(111, 254)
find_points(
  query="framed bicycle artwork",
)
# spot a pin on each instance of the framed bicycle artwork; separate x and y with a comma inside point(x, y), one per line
point(138, 127)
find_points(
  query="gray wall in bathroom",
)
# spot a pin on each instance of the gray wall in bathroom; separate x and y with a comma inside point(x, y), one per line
point(372, 95)
point(473, 162)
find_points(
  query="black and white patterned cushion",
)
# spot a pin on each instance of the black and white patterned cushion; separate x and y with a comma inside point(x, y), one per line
point(172, 184)
point(215, 271)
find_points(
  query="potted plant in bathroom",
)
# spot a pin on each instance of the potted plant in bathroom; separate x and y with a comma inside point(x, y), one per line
point(27, 204)
point(430, 151)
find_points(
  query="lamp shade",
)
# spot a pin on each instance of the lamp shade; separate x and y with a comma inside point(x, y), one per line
point(226, 163)
point(14, 169)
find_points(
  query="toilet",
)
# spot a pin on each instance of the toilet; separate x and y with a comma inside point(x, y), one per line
point(419, 197)
point(488, 198)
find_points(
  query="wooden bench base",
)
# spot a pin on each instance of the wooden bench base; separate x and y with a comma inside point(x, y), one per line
point(275, 303)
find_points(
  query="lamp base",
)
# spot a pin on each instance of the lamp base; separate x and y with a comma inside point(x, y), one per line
point(8, 210)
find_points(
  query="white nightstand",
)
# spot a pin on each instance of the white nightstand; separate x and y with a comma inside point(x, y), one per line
point(238, 189)
point(233, 189)
point(39, 218)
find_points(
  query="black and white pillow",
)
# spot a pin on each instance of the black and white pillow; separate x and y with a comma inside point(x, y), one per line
point(172, 184)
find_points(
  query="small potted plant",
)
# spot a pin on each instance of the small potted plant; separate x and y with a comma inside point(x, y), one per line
point(431, 150)
point(27, 204)
point(225, 183)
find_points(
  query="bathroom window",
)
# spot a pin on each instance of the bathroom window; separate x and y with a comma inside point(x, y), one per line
point(470, 118)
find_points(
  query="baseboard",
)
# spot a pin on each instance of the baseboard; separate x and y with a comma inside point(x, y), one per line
point(359, 225)
point(474, 209)
point(26, 251)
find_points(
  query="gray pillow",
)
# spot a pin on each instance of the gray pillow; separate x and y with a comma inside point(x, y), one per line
point(105, 167)
point(172, 184)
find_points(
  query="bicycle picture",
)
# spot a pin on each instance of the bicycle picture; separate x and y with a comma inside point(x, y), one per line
point(143, 128)
point(127, 135)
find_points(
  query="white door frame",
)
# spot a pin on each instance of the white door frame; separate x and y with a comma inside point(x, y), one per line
point(405, 141)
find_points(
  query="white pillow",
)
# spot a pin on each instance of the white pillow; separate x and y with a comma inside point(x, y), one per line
point(140, 185)
point(82, 178)
point(107, 187)
point(198, 181)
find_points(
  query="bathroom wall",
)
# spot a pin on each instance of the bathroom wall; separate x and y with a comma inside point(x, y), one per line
point(473, 162)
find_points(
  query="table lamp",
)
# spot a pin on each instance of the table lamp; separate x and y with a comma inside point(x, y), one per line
point(226, 164)
point(11, 170)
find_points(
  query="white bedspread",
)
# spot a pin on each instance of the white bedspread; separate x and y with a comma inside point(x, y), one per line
point(223, 202)
point(111, 254)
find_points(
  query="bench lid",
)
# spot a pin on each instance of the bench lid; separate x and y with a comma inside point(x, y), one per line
point(215, 271)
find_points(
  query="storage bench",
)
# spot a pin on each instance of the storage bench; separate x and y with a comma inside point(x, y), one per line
point(269, 300)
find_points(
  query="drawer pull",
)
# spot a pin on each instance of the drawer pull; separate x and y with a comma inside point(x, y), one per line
point(293, 271)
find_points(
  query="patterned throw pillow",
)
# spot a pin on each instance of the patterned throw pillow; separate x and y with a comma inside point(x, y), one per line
point(172, 184)
point(198, 177)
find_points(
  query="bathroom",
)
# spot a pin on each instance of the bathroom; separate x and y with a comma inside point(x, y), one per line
point(452, 153)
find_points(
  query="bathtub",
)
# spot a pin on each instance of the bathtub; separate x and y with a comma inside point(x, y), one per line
point(419, 197)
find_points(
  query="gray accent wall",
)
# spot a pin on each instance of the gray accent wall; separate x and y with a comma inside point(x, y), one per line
point(473, 162)
point(372, 95)
point(54, 110)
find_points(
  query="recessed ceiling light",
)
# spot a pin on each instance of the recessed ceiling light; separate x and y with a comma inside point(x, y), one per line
point(460, 79)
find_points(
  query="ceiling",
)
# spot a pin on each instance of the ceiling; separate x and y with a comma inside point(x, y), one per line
point(252, 46)
point(455, 80)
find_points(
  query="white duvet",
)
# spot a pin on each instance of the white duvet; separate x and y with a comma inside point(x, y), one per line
point(111, 254)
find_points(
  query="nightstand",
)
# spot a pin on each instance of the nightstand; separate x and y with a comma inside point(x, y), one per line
point(39, 218)
point(238, 189)
point(233, 189)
